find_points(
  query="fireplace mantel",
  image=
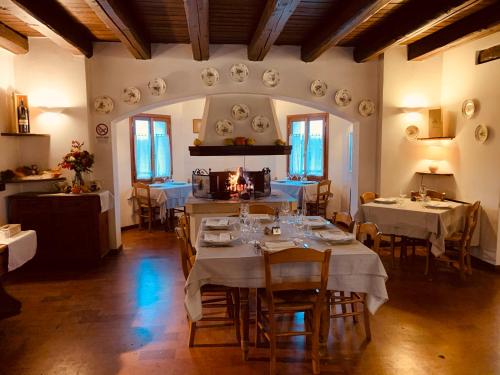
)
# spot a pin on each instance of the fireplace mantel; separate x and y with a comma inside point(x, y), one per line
point(239, 150)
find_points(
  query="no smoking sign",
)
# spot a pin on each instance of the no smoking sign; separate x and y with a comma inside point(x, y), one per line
point(102, 130)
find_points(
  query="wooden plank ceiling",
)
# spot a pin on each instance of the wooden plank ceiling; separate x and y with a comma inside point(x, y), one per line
point(368, 26)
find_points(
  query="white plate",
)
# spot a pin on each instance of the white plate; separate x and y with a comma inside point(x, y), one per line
point(318, 88)
point(314, 222)
point(278, 245)
point(217, 223)
point(218, 238)
point(239, 72)
point(260, 124)
point(481, 133)
point(343, 97)
point(210, 76)
point(412, 132)
point(437, 205)
point(103, 104)
point(468, 108)
point(157, 86)
point(240, 112)
point(271, 78)
point(336, 236)
point(131, 95)
point(224, 128)
point(385, 200)
point(366, 108)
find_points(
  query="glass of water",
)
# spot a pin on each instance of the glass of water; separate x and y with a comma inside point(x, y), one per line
point(244, 209)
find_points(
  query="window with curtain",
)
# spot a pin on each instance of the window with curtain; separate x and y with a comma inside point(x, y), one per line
point(151, 142)
point(308, 136)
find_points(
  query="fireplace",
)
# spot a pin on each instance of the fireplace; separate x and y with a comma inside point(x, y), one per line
point(231, 184)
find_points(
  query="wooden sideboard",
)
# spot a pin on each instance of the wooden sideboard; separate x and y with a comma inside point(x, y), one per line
point(71, 229)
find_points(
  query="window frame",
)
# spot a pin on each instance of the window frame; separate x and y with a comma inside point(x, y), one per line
point(150, 118)
point(307, 118)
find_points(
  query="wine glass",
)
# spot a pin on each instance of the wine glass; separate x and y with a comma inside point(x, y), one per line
point(285, 211)
point(244, 209)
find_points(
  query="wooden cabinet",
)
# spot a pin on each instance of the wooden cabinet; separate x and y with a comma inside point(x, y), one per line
point(71, 229)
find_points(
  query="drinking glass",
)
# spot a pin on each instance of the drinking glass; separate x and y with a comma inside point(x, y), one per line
point(243, 212)
point(284, 211)
point(245, 233)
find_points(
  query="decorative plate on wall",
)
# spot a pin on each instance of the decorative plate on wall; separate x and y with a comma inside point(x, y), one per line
point(157, 86)
point(103, 104)
point(468, 108)
point(224, 128)
point(260, 124)
point(481, 133)
point(240, 112)
point(412, 132)
point(318, 88)
point(131, 95)
point(343, 97)
point(239, 72)
point(210, 76)
point(271, 78)
point(366, 108)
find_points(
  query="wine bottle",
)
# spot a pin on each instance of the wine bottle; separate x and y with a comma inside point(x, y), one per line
point(23, 118)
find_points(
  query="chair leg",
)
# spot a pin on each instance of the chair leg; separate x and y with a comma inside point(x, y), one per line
point(150, 220)
point(366, 320)
point(393, 250)
point(315, 340)
point(230, 304)
point(258, 312)
point(469, 263)
point(461, 260)
point(354, 309)
point(272, 346)
point(192, 332)
point(236, 319)
point(343, 305)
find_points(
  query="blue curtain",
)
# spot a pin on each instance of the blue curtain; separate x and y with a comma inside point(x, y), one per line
point(315, 144)
point(297, 141)
point(162, 150)
point(142, 150)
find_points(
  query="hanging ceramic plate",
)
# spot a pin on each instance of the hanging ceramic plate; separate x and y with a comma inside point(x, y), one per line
point(468, 108)
point(260, 124)
point(224, 128)
point(343, 97)
point(271, 78)
point(318, 88)
point(210, 76)
point(412, 132)
point(131, 95)
point(157, 86)
point(366, 108)
point(481, 133)
point(240, 112)
point(103, 104)
point(239, 72)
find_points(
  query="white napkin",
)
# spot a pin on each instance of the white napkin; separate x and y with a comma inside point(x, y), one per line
point(259, 216)
point(278, 245)
point(212, 222)
point(315, 221)
point(217, 237)
point(335, 236)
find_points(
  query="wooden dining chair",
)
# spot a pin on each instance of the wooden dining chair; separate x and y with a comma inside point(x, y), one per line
point(457, 245)
point(435, 195)
point(344, 221)
point(261, 209)
point(223, 299)
point(323, 194)
point(144, 208)
point(289, 297)
point(367, 197)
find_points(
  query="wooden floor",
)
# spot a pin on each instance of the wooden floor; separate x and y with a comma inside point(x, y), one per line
point(127, 317)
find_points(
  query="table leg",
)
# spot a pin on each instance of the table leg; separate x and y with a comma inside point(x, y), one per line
point(9, 306)
point(244, 317)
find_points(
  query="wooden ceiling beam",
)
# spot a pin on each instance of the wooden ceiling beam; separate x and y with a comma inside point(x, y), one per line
point(52, 20)
point(272, 22)
point(340, 24)
point(13, 41)
point(406, 22)
point(118, 17)
point(476, 25)
point(197, 20)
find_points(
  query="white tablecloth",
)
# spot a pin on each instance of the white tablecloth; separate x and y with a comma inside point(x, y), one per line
point(353, 267)
point(413, 220)
point(22, 247)
point(297, 189)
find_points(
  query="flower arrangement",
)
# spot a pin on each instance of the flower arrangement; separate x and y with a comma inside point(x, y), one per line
point(78, 160)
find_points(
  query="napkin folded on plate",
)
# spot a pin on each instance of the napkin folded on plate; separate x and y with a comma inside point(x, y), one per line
point(259, 216)
point(335, 236)
point(217, 237)
point(278, 245)
point(213, 222)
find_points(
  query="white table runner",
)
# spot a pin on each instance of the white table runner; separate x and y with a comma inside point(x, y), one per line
point(22, 248)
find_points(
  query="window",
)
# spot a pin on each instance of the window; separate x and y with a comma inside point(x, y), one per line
point(151, 147)
point(349, 150)
point(308, 136)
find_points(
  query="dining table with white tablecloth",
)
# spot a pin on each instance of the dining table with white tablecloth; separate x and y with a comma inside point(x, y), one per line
point(353, 268)
point(299, 190)
point(428, 220)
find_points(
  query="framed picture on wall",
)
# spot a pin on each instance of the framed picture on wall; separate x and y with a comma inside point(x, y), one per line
point(21, 113)
point(196, 125)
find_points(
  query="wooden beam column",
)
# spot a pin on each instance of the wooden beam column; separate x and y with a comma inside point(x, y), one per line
point(12, 41)
point(118, 17)
point(340, 25)
point(197, 20)
point(476, 25)
point(406, 22)
point(51, 19)
point(273, 20)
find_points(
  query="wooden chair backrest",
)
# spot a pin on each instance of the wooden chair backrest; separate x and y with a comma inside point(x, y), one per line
point(261, 209)
point(323, 191)
point(471, 220)
point(371, 230)
point(343, 220)
point(142, 193)
point(367, 197)
point(296, 255)
point(185, 262)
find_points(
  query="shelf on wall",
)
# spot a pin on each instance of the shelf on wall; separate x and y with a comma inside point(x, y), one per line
point(435, 139)
point(435, 174)
point(24, 135)
point(24, 181)
point(239, 150)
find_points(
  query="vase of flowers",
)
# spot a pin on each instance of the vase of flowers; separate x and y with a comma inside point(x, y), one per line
point(80, 161)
